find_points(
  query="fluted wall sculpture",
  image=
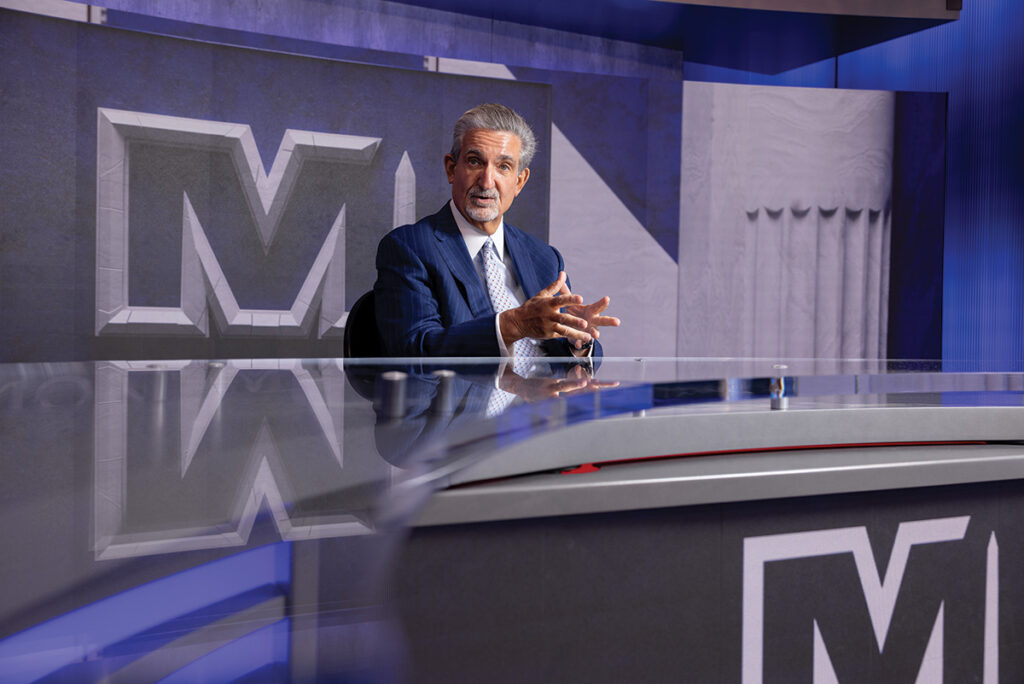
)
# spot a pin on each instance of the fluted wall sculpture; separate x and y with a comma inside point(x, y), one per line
point(784, 222)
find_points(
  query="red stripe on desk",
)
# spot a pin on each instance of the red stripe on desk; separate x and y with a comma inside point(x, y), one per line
point(594, 467)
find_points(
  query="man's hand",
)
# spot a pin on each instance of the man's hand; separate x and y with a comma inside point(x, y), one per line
point(537, 389)
point(541, 319)
point(591, 313)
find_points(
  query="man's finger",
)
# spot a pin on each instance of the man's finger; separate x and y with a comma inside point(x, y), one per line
point(553, 287)
point(591, 310)
point(571, 321)
point(600, 305)
point(562, 383)
point(563, 301)
point(571, 333)
point(571, 384)
point(605, 320)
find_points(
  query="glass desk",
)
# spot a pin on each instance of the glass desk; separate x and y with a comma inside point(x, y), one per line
point(454, 520)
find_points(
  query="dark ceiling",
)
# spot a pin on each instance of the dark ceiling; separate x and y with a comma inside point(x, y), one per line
point(763, 41)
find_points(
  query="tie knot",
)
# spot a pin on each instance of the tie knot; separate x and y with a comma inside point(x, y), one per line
point(489, 250)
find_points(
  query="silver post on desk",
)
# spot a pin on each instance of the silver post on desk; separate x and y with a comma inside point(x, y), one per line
point(780, 390)
point(391, 394)
point(444, 399)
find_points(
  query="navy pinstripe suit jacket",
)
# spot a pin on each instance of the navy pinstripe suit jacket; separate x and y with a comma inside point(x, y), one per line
point(430, 300)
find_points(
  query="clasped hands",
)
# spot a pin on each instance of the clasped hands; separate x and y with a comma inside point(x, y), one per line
point(556, 312)
point(533, 389)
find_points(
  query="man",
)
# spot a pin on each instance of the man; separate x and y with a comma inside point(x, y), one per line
point(464, 283)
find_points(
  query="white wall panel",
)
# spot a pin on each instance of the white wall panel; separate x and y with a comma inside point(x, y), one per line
point(784, 221)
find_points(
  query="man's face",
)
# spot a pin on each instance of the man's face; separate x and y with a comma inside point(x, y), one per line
point(486, 177)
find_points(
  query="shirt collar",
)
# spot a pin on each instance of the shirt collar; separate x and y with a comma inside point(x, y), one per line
point(474, 237)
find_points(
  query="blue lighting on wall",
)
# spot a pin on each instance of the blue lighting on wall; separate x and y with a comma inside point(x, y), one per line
point(979, 61)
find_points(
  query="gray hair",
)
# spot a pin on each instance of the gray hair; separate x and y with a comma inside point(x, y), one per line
point(496, 117)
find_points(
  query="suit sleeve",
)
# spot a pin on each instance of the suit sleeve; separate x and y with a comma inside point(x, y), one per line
point(408, 310)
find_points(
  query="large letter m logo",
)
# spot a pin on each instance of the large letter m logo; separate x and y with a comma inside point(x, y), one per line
point(880, 592)
point(203, 279)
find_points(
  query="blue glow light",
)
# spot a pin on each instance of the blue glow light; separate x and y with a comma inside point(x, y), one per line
point(75, 636)
point(265, 647)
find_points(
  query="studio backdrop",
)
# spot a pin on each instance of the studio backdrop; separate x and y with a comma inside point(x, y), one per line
point(168, 198)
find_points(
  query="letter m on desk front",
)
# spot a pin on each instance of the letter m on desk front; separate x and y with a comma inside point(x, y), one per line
point(128, 304)
point(880, 591)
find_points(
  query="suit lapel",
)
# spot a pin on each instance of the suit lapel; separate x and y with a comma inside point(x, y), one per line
point(522, 261)
point(453, 250)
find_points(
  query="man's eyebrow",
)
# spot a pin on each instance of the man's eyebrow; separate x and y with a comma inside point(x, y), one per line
point(479, 153)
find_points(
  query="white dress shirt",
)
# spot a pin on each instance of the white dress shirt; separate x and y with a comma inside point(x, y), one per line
point(475, 239)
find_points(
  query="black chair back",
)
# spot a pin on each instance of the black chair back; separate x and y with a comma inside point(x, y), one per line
point(361, 337)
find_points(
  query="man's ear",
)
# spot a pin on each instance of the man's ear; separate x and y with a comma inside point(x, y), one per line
point(449, 167)
point(524, 176)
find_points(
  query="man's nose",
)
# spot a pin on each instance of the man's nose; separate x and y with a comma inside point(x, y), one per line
point(486, 180)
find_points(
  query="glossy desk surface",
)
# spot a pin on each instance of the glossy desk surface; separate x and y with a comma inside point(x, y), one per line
point(122, 477)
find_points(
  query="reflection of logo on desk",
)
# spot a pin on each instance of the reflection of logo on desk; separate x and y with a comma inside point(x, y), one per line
point(881, 594)
point(268, 433)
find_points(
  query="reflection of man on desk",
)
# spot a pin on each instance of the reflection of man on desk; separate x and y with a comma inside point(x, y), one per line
point(464, 283)
point(426, 408)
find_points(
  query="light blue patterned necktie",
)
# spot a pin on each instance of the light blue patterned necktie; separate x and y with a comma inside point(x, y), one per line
point(501, 297)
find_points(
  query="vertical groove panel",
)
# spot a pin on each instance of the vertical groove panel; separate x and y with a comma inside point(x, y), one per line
point(748, 264)
point(854, 253)
point(768, 284)
point(802, 250)
point(883, 295)
point(829, 324)
point(873, 284)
